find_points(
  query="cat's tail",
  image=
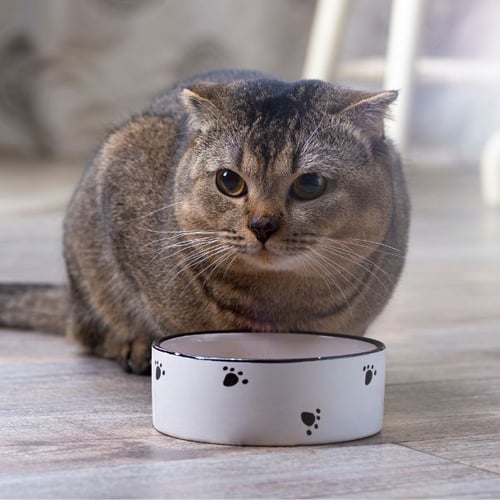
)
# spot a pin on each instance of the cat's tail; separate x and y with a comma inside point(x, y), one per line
point(34, 306)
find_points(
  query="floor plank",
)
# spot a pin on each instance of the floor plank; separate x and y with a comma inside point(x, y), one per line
point(385, 471)
point(481, 451)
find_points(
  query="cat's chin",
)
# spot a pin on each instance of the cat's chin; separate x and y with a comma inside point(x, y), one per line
point(270, 260)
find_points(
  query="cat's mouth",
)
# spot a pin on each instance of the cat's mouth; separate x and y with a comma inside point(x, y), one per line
point(270, 258)
point(265, 256)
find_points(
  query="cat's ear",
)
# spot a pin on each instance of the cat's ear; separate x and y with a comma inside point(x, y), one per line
point(369, 111)
point(200, 102)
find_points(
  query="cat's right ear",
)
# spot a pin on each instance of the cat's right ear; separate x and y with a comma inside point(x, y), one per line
point(199, 101)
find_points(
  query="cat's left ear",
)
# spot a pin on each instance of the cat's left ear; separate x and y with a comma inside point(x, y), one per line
point(200, 102)
point(368, 113)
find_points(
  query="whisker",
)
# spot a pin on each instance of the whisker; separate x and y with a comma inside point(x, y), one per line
point(182, 246)
point(187, 233)
point(214, 264)
point(375, 243)
point(197, 257)
point(164, 207)
point(369, 244)
point(348, 253)
point(174, 238)
point(203, 250)
point(219, 262)
point(194, 259)
point(343, 254)
point(349, 257)
point(338, 268)
point(340, 248)
point(324, 272)
point(236, 253)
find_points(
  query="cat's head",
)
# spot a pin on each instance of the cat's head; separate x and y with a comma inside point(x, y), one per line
point(275, 172)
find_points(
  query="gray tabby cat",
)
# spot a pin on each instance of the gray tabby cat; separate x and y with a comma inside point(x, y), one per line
point(234, 202)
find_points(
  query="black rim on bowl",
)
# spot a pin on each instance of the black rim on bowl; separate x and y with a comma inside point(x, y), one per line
point(377, 347)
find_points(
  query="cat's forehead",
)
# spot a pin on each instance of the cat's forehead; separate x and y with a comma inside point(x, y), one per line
point(276, 119)
point(275, 102)
point(273, 115)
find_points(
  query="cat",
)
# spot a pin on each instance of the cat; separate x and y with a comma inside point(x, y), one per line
point(235, 201)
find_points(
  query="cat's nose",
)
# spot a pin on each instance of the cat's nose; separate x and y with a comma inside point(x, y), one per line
point(263, 227)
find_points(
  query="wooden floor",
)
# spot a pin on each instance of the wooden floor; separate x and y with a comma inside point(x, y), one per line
point(72, 426)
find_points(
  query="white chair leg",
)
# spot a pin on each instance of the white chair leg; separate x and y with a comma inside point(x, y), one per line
point(490, 171)
point(404, 33)
point(325, 38)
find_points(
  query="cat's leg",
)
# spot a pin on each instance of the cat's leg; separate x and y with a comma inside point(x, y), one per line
point(123, 343)
point(134, 355)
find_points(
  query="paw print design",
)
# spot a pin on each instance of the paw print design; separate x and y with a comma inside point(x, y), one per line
point(232, 377)
point(311, 419)
point(159, 371)
point(369, 372)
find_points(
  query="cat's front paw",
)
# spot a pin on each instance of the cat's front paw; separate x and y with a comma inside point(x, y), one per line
point(135, 357)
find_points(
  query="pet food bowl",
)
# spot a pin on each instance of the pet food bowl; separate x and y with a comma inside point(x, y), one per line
point(270, 389)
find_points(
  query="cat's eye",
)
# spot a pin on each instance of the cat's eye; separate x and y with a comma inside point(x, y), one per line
point(230, 183)
point(308, 187)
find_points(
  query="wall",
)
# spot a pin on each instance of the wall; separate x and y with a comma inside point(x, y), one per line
point(70, 69)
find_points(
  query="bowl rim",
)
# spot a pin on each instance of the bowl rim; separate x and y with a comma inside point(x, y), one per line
point(378, 347)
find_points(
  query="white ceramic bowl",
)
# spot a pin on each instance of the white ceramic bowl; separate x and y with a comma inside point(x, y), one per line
point(268, 388)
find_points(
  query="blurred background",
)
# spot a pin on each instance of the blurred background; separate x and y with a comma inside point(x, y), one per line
point(70, 69)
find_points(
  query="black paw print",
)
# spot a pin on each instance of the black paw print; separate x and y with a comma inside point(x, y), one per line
point(159, 371)
point(369, 373)
point(232, 377)
point(311, 419)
